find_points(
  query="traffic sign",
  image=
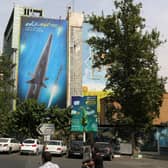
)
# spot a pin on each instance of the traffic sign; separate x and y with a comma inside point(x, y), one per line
point(46, 129)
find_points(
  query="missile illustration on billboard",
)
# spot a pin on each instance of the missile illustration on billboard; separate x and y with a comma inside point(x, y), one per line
point(54, 87)
point(38, 77)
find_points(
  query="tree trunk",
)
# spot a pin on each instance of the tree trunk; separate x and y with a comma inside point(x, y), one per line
point(133, 141)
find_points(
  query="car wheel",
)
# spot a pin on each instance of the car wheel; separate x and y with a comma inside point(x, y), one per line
point(69, 155)
point(37, 152)
point(110, 157)
point(10, 150)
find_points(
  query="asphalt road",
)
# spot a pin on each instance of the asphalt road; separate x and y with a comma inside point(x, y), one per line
point(25, 161)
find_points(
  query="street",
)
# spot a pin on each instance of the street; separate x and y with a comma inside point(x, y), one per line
point(25, 161)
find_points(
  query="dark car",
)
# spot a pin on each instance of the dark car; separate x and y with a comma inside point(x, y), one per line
point(75, 148)
point(105, 149)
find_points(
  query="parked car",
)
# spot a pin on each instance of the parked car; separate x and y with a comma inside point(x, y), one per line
point(75, 148)
point(31, 146)
point(57, 147)
point(9, 145)
point(105, 149)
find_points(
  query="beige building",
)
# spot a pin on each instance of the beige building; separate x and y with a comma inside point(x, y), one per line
point(163, 118)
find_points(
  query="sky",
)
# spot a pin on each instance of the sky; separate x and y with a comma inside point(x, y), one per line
point(155, 12)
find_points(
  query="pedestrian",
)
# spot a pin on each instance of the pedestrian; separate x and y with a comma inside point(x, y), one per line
point(98, 159)
point(46, 159)
point(87, 158)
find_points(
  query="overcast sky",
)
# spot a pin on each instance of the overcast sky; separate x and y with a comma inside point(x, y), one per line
point(154, 11)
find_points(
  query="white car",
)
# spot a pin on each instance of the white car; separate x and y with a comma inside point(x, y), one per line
point(31, 146)
point(57, 147)
point(9, 145)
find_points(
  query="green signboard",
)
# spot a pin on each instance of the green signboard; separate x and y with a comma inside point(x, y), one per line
point(84, 114)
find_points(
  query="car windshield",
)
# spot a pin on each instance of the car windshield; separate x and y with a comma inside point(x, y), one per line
point(29, 141)
point(102, 145)
point(53, 143)
point(3, 140)
point(76, 143)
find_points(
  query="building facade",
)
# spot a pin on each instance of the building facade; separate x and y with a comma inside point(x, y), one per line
point(74, 55)
point(163, 117)
point(12, 42)
point(11, 37)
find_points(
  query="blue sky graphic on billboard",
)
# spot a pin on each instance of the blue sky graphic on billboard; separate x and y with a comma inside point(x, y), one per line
point(84, 107)
point(90, 75)
point(42, 71)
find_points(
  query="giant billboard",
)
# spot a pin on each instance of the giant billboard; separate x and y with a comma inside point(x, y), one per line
point(42, 72)
point(93, 78)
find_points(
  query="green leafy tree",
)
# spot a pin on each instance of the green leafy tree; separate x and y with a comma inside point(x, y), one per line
point(61, 117)
point(26, 118)
point(129, 52)
point(6, 91)
point(29, 114)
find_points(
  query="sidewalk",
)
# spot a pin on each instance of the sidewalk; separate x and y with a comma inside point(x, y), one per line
point(155, 155)
point(148, 155)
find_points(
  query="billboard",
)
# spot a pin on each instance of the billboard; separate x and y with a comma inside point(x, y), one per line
point(84, 108)
point(42, 72)
point(93, 78)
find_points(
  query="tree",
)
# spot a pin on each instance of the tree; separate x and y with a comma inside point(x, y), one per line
point(26, 118)
point(61, 117)
point(29, 114)
point(129, 52)
point(6, 91)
